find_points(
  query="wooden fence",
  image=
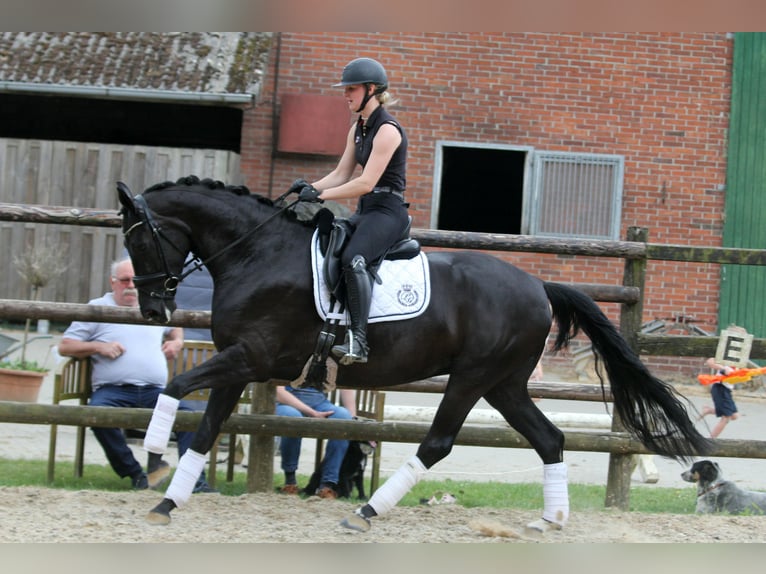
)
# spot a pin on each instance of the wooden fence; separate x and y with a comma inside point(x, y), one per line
point(636, 251)
point(47, 172)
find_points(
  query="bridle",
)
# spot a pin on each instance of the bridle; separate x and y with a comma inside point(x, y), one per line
point(170, 281)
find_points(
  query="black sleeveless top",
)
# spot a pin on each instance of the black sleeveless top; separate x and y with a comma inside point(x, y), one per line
point(394, 174)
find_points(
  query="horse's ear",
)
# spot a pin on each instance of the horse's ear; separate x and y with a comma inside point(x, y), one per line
point(126, 198)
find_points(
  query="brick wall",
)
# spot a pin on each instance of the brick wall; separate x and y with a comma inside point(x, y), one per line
point(661, 100)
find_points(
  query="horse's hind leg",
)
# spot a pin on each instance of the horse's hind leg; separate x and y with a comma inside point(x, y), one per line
point(435, 446)
point(514, 403)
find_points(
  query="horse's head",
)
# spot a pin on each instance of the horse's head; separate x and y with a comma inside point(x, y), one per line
point(157, 252)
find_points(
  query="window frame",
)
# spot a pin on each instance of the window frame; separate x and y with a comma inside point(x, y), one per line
point(544, 158)
point(535, 162)
point(438, 169)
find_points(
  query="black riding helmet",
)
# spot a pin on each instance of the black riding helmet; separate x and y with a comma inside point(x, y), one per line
point(364, 71)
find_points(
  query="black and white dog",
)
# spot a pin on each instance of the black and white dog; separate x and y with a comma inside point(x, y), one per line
point(714, 494)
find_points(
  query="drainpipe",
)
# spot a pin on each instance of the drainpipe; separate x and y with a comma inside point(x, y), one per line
point(274, 115)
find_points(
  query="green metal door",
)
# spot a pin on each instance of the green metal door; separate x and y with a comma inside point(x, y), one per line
point(743, 287)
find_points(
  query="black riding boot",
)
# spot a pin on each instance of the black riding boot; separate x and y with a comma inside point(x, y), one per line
point(358, 299)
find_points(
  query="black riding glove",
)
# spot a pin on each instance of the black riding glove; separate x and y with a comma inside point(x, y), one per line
point(310, 194)
point(297, 185)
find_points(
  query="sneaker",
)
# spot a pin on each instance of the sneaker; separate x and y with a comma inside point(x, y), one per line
point(290, 489)
point(140, 482)
point(202, 487)
point(157, 477)
point(326, 492)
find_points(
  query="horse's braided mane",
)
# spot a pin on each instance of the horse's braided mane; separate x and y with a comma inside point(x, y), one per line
point(211, 184)
point(207, 183)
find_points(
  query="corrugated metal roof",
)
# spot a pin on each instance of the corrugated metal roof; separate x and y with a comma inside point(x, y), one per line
point(211, 62)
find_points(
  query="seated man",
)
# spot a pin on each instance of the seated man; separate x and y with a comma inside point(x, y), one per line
point(129, 370)
point(311, 402)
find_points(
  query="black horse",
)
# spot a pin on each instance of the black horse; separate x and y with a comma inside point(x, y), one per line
point(485, 327)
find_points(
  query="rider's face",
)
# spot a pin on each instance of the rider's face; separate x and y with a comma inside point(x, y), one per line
point(354, 96)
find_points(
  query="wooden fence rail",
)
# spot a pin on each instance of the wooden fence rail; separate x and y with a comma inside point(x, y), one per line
point(404, 432)
point(671, 345)
point(47, 214)
point(20, 309)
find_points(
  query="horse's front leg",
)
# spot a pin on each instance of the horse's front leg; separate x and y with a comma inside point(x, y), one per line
point(220, 405)
point(227, 366)
point(436, 445)
point(227, 374)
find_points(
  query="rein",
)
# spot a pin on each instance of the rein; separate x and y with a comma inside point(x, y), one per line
point(171, 281)
point(236, 242)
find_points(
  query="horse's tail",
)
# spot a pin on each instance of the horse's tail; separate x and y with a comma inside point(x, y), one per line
point(649, 408)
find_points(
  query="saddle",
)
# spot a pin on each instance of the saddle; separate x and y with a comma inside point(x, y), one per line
point(333, 235)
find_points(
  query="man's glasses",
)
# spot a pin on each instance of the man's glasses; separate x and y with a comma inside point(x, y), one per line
point(124, 280)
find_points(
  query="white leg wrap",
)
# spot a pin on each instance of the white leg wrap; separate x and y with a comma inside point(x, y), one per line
point(555, 493)
point(163, 417)
point(402, 481)
point(189, 468)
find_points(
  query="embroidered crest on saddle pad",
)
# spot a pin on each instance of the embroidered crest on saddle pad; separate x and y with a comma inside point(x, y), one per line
point(403, 294)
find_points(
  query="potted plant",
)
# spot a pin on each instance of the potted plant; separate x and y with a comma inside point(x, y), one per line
point(20, 379)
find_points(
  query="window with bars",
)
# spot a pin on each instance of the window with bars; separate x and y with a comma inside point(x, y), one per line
point(517, 190)
point(576, 195)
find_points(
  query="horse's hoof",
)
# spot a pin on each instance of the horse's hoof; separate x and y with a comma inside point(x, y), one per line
point(540, 527)
point(159, 475)
point(159, 518)
point(160, 514)
point(356, 522)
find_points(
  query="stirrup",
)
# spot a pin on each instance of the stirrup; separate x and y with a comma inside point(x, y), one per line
point(345, 352)
point(350, 359)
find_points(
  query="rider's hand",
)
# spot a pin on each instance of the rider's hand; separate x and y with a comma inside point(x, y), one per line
point(297, 185)
point(310, 194)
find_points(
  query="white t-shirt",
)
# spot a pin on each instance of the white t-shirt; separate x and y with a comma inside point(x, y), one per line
point(142, 363)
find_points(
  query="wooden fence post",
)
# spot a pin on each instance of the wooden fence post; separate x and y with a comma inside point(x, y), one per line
point(260, 457)
point(621, 465)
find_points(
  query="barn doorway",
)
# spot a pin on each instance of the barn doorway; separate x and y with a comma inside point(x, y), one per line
point(480, 188)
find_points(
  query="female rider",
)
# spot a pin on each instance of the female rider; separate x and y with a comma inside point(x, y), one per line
point(378, 143)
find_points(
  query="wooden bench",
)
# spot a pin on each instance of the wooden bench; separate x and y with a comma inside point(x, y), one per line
point(73, 382)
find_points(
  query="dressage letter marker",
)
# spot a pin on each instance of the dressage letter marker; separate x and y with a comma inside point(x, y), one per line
point(734, 346)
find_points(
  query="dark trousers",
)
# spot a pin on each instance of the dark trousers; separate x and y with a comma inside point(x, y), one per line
point(112, 440)
point(722, 400)
point(379, 222)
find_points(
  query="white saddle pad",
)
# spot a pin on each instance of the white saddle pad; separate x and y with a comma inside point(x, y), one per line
point(403, 294)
